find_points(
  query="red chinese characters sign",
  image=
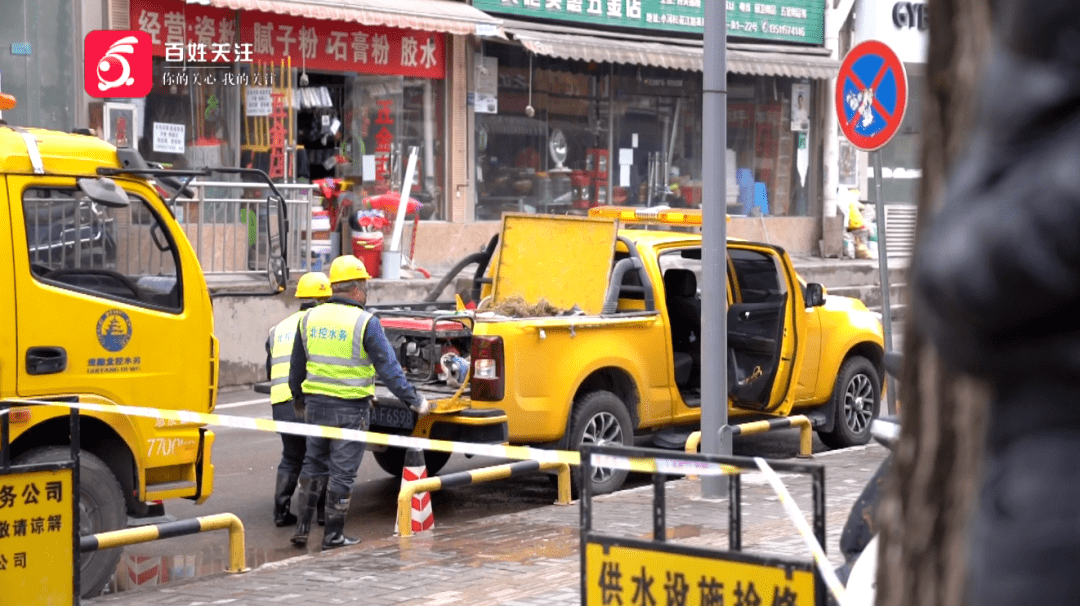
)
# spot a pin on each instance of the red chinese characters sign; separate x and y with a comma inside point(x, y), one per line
point(173, 22)
point(343, 47)
point(210, 34)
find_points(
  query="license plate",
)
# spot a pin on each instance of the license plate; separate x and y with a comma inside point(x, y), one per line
point(392, 416)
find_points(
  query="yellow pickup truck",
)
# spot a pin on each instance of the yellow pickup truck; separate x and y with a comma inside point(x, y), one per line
point(612, 353)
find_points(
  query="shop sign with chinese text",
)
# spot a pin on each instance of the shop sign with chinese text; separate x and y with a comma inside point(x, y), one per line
point(36, 537)
point(785, 20)
point(199, 34)
point(637, 572)
point(343, 47)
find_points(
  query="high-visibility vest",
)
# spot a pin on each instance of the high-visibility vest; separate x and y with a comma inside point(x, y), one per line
point(337, 364)
point(281, 346)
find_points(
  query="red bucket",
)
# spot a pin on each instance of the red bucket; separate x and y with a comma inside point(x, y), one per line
point(368, 248)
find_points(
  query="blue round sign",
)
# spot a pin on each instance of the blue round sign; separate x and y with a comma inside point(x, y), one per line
point(871, 95)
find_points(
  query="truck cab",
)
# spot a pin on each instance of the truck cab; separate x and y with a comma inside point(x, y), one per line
point(104, 302)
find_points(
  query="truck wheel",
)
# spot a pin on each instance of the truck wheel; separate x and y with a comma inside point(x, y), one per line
point(101, 509)
point(601, 418)
point(856, 401)
point(392, 460)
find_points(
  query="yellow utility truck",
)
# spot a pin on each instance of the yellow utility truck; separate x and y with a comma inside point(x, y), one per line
point(589, 330)
point(103, 301)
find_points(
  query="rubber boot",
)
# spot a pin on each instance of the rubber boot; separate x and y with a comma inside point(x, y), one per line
point(307, 498)
point(337, 507)
point(320, 509)
point(286, 484)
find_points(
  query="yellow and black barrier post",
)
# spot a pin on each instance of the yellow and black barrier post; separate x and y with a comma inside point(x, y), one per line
point(806, 432)
point(39, 520)
point(166, 530)
point(475, 476)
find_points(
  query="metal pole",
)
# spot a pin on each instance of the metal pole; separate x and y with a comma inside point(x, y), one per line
point(883, 266)
point(610, 135)
point(715, 433)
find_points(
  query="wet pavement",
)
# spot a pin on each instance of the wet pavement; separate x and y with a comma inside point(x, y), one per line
point(528, 558)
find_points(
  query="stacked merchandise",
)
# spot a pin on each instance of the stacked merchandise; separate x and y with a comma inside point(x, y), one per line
point(320, 240)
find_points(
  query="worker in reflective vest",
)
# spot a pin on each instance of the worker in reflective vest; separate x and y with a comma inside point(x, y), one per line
point(312, 289)
point(342, 347)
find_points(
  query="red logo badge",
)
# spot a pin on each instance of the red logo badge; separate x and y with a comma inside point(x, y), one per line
point(118, 64)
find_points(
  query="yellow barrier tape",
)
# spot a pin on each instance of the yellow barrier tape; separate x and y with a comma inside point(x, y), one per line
point(523, 453)
point(796, 516)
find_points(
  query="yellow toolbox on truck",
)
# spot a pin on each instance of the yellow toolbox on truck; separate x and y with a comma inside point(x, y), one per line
point(103, 301)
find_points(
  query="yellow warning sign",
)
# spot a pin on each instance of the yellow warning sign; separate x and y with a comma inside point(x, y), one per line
point(665, 573)
point(36, 541)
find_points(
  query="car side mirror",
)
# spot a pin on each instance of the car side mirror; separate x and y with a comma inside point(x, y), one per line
point(815, 295)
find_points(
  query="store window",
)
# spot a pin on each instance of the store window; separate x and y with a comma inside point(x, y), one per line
point(579, 143)
point(768, 156)
point(187, 121)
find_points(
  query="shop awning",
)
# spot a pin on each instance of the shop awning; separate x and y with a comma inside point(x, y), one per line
point(589, 48)
point(445, 16)
point(781, 64)
point(673, 56)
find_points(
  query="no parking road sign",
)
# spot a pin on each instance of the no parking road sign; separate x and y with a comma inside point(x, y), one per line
point(871, 95)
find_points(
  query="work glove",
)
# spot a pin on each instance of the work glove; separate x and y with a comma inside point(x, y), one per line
point(424, 407)
point(298, 408)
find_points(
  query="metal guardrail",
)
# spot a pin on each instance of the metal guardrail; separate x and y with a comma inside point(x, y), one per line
point(474, 476)
point(226, 224)
point(144, 534)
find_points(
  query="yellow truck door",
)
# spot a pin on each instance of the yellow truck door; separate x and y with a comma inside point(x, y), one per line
point(763, 329)
point(103, 307)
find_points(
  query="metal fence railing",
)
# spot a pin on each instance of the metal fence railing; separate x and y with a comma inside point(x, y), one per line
point(234, 231)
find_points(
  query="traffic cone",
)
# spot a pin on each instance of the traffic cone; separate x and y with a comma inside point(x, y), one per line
point(416, 469)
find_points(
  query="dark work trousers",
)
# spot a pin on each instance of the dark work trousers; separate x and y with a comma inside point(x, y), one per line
point(292, 447)
point(337, 458)
point(1026, 543)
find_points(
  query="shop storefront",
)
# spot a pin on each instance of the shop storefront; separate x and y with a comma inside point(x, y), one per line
point(367, 83)
point(595, 101)
point(904, 27)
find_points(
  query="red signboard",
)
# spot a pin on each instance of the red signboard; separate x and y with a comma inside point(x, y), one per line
point(212, 35)
point(173, 22)
point(343, 47)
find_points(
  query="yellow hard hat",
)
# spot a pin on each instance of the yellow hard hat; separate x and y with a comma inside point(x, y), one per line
point(347, 268)
point(313, 285)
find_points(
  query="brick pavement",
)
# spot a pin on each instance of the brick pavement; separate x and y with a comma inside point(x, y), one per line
point(529, 558)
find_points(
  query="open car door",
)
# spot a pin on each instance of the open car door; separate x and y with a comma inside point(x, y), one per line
point(762, 328)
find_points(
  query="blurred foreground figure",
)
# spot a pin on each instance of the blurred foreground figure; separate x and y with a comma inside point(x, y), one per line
point(997, 277)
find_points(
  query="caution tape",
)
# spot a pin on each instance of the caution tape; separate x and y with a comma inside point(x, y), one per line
point(792, 510)
point(523, 453)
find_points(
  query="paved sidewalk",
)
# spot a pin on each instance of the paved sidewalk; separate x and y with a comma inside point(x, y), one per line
point(529, 558)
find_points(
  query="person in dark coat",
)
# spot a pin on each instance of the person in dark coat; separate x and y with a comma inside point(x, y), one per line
point(997, 280)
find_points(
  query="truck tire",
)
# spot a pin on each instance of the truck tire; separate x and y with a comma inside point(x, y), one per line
point(101, 509)
point(600, 418)
point(856, 402)
point(392, 460)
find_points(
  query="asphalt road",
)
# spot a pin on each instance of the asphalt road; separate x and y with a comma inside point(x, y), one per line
point(245, 465)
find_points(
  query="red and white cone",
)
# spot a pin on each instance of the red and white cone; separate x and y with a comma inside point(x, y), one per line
point(416, 469)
